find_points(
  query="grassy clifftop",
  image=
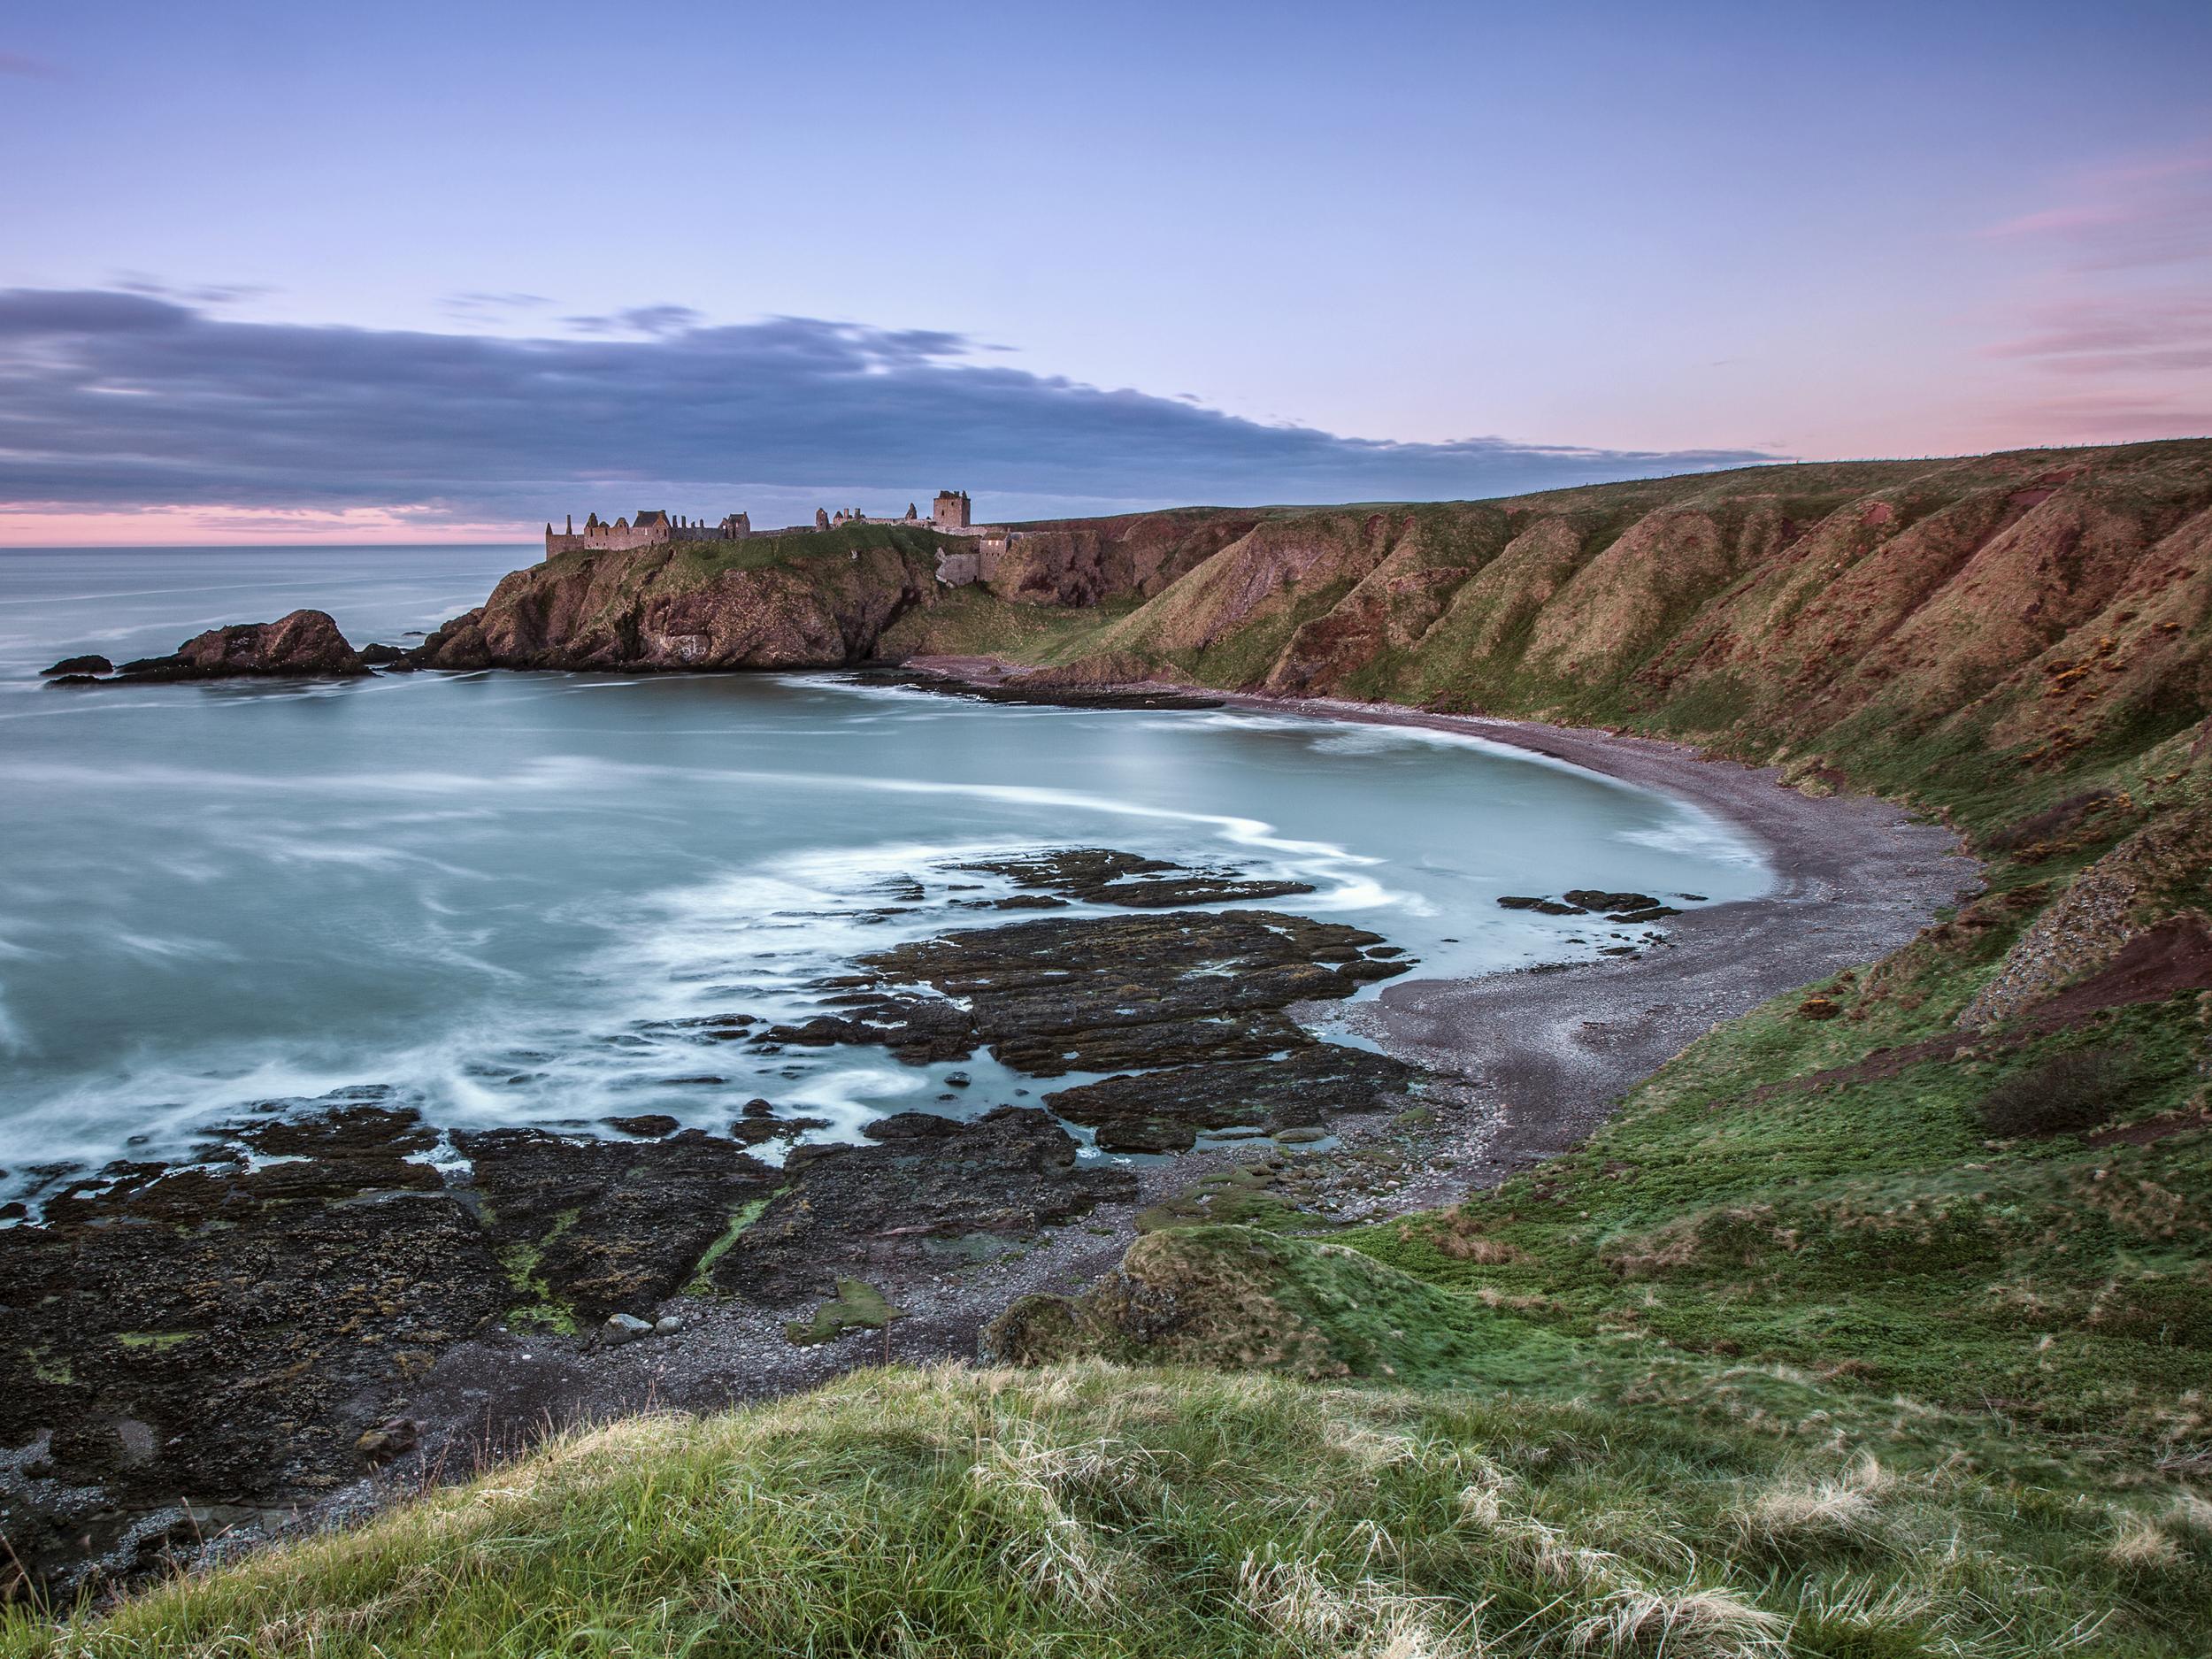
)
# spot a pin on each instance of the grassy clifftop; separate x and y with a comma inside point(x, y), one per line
point(1092, 1509)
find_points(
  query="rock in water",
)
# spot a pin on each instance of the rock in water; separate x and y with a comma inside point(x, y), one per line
point(305, 644)
point(93, 664)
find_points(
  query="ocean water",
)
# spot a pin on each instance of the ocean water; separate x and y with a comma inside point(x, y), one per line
point(490, 893)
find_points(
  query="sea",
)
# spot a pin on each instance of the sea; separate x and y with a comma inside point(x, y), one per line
point(494, 896)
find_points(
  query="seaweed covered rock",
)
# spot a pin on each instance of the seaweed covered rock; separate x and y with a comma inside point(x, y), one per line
point(1101, 995)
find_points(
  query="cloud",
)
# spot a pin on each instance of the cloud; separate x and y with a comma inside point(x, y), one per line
point(477, 306)
point(640, 320)
point(2156, 211)
point(2112, 312)
point(116, 401)
point(191, 294)
point(29, 68)
point(2136, 333)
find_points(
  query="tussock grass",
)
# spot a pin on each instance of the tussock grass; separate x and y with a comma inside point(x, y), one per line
point(1087, 1509)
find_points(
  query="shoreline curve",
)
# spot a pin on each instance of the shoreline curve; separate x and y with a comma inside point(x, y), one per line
point(1550, 1054)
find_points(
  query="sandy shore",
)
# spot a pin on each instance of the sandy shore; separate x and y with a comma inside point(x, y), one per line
point(1551, 1053)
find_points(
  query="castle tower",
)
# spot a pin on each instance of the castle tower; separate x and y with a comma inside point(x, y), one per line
point(949, 511)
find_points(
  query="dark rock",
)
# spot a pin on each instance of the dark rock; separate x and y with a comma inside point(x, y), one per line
point(913, 1127)
point(254, 1321)
point(1105, 995)
point(1547, 907)
point(1011, 1171)
point(392, 1439)
point(381, 655)
point(647, 1125)
point(602, 1226)
point(1166, 1111)
point(80, 667)
point(1591, 899)
point(304, 644)
point(1099, 875)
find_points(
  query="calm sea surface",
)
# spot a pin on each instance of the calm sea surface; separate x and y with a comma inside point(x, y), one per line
point(486, 892)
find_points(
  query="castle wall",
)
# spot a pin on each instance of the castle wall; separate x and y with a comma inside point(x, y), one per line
point(958, 570)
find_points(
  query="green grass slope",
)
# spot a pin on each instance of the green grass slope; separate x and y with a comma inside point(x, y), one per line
point(1093, 1510)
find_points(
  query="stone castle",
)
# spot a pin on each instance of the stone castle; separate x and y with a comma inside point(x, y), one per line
point(948, 515)
point(648, 529)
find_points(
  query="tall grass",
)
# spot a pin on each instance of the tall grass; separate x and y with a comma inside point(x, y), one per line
point(1091, 1510)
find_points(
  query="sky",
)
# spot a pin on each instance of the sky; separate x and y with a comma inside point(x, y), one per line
point(441, 272)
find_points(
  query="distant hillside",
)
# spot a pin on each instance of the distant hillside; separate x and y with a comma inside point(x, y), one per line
point(2043, 607)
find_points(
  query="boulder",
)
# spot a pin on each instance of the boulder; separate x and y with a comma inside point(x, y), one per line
point(91, 664)
point(303, 645)
point(392, 1439)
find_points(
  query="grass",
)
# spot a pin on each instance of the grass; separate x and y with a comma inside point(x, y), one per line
point(1093, 1510)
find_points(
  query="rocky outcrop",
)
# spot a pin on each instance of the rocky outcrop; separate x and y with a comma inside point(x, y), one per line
point(820, 601)
point(305, 645)
point(1087, 561)
point(86, 666)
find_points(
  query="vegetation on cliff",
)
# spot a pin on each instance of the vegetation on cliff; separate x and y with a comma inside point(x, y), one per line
point(808, 600)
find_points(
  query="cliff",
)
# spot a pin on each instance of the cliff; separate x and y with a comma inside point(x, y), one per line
point(2033, 607)
point(805, 601)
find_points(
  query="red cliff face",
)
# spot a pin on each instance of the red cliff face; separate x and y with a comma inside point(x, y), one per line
point(687, 607)
point(2037, 602)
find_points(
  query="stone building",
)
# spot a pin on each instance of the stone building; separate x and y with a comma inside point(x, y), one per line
point(651, 527)
point(948, 515)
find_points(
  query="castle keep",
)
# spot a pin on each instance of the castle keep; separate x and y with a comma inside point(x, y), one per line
point(948, 515)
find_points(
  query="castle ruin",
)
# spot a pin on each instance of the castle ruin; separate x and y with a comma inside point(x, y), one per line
point(650, 528)
point(948, 515)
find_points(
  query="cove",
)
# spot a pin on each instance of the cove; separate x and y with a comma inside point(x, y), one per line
point(500, 897)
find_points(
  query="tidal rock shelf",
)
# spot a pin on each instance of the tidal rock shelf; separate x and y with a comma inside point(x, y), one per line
point(321, 1297)
point(305, 645)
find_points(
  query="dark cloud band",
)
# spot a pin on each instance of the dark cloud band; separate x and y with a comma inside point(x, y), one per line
point(120, 400)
